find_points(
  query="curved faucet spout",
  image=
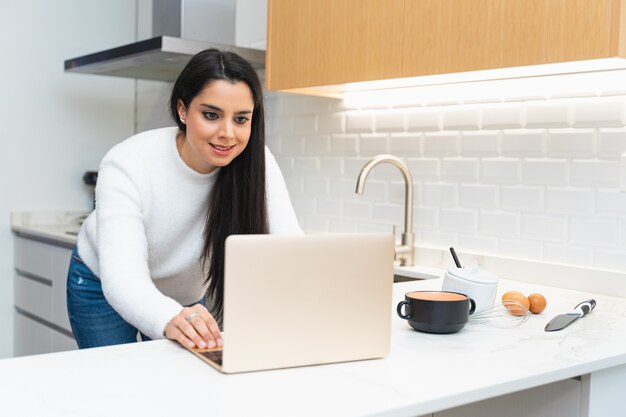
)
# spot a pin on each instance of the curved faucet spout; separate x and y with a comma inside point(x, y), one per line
point(405, 251)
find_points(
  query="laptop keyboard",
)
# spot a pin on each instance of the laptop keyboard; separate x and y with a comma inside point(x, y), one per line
point(213, 356)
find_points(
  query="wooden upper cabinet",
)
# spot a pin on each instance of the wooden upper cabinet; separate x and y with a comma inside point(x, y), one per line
point(315, 46)
point(445, 36)
point(323, 42)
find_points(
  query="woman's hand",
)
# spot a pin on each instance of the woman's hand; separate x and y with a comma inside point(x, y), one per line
point(194, 327)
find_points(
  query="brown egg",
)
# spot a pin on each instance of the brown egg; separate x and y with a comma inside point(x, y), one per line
point(537, 303)
point(515, 302)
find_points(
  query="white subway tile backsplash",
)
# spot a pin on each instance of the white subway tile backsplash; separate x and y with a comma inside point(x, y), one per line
point(343, 226)
point(500, 171)
point(331, 167)
point(605, 112)
point(373, 228)
point(329, 207)
point(589, 231)
point(521, 198)
point(611, 203)
point(595, 173)
point(478, 195)
point(461, 118)
point(548, 114)
point(292, 145)
point(424, 169)
point(460, 170)
point(390, 213)
point(611, 142)
point(545, 171)
point(523, 143)
point(397, 191)
point(316, 186)
point(279, 125)
point(317, 104)
point(481, 143)
point(304, 206)
point(359, 122)
point(306, 165)
point(610, 259)
point(371, 144)
point(571, 143)
point(316, 145)
point(316, 224)
point(390, 121)
point(425, 218)
point(331, 123)
point(344, 145)
point(534, 179)
point(458, 220)
point(440, 144)
point(520, 248)
point(478, 244)
point(567, 254)
point(570, 201)
point(374, 190)
point(345, 188)
point(439, 239)
point(543, 227)
point(303, 125)
point(494, 223)
point(406, 144)
point(502, 116)
point(424, 119)
point(358, 210)
point(443, 195)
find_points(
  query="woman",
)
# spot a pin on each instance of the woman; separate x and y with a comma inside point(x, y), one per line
point(166, 199)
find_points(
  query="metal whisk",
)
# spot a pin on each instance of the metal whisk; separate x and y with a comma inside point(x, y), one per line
point(509, 314)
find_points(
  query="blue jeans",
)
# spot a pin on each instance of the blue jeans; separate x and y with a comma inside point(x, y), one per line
point(94, 322)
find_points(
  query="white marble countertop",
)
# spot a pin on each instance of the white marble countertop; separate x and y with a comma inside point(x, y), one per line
point(423, 373)
point(53, 226)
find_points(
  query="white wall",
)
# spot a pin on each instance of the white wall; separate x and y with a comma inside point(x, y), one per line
point(55, 125)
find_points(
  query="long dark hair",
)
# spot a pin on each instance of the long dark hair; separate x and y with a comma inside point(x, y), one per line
point(237, 204)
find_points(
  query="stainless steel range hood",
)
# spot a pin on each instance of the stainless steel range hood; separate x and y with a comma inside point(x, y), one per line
point(178, 29)
point(161, 58)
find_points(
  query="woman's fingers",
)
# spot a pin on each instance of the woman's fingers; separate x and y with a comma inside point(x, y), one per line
point(194, 326)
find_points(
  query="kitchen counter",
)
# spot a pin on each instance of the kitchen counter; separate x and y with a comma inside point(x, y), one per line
point(57, 227)
point(422, 374)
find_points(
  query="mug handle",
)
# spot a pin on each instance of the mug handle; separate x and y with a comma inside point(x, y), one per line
point(399, 310)
point(472, 306)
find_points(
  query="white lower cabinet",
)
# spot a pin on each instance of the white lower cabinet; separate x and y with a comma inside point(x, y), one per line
point(41, 324)
point(559, 399)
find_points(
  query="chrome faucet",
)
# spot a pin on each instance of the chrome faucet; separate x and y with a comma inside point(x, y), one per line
point(405, 252)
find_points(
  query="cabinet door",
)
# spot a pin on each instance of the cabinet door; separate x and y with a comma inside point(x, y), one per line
point(322, 42)
point(61, 342)
point(31, 337)
point(60, 264)
point(560, 399)
point(445, 36)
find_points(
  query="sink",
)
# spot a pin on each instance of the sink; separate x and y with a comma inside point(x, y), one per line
point(416, 272)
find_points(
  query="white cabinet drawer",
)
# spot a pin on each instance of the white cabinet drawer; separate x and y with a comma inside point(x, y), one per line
point(61, 342)
point(31, 337)
point(33, 257)
point(60, 264)
point(33, 295)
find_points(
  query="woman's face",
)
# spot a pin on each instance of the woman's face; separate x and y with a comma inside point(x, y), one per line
point(219, 122)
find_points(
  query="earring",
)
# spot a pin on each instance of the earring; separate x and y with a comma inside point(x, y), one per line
point(181, 119)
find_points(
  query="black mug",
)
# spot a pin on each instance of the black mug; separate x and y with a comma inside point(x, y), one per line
point(436, 311)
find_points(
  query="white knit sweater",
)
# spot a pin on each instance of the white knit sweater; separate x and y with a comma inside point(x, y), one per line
point(145, 237)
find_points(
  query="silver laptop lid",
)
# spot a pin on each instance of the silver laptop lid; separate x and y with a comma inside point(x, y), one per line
point(295, 300)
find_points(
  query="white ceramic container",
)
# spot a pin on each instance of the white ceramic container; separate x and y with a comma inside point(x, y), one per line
point(477, 283)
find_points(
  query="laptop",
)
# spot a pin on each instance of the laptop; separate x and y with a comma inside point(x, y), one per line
point(299, 300)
